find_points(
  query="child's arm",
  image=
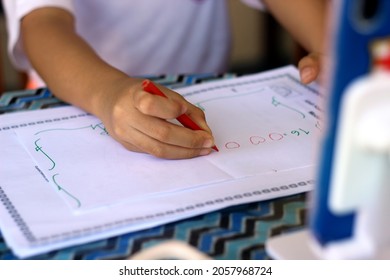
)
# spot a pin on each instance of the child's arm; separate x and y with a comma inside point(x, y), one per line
point(306, 21)
point(77, 75)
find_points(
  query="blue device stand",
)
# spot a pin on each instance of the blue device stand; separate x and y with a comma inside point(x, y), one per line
point(356, 28)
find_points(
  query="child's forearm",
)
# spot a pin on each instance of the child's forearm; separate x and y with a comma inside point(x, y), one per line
point(133, 117)
point(71, 69)
point(304, 19)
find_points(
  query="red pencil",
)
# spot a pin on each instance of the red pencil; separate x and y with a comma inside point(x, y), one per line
point(185, 120)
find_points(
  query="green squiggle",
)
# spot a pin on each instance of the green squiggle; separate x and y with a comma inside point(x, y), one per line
point(198, 104)
point(277, 103)
point(99, 125)
point(39, 149)
point(65, 191)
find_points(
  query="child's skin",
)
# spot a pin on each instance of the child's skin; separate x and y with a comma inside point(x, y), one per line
point(133, 117)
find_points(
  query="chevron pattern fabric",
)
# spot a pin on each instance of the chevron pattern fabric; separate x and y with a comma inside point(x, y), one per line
point(237, 232)
point(42, 98)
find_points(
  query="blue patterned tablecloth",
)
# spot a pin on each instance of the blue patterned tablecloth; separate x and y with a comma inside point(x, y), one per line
point(237, 232)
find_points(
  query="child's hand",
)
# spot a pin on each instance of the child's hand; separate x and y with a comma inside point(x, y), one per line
point(138, 120)
point(310, 67)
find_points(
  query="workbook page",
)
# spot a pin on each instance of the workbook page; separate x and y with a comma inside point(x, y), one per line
point(259, 127)
point(65, 181)
point(89, 169)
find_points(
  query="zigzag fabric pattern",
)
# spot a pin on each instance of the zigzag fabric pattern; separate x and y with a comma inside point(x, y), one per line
point(233, 233)
point(42, 98)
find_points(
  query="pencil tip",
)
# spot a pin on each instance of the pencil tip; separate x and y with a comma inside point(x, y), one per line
point(215, 148)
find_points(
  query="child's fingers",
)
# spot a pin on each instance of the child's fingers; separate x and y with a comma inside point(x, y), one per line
point(309, 68)
point(138, 120)
point(140, 142)
point(158, 106)
point(169, 107)
point(162, 150)
point(198, 116)
point(172, 134)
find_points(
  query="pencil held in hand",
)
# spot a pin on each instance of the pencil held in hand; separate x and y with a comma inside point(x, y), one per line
point(185, 120)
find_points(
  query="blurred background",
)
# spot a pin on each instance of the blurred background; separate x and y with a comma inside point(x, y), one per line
point(259, 43)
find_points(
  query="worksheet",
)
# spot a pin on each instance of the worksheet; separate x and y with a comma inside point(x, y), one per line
point(65, 181)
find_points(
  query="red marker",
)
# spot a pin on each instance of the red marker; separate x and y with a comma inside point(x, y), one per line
point(183, 119)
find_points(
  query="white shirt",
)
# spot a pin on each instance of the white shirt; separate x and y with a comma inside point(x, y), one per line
point(139, 37)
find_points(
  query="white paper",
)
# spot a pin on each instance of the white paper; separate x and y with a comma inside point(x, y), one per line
point(259, 130)
point(40, 220)
point(91, 170)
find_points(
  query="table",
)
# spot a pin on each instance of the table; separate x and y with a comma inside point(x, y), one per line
point(237, 232)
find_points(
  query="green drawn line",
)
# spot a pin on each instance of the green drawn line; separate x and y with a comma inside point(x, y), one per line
point(99, 125)
point(277, 103)
point(39, 149)
point(65, 191)
point(274, 101)
point(226, 97)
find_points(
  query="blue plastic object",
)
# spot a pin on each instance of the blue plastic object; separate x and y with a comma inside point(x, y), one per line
point(358, 24)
